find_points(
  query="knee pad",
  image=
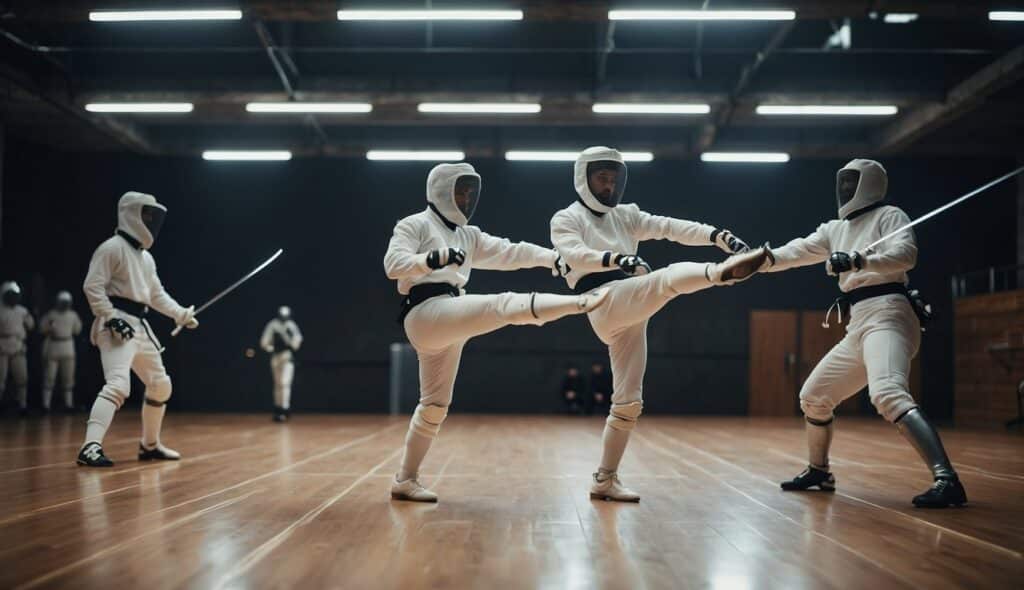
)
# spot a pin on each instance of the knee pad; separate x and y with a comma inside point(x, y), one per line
point(816, 410)
point(426, 420)
point(623, 416)
point(116, 390)
point(159, 391)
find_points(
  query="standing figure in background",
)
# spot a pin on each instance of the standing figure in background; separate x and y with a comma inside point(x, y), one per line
point(60, 326)
point(15, 324)
point(600, 389)
point(121, 286)
point(572, 390)
point(281, 339)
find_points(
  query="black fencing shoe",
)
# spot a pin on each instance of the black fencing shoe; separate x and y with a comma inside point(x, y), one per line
point(943, 493)
point(812, 477)
point(92, 455)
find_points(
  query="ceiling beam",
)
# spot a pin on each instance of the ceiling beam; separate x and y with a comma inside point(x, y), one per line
point(534, 10)
point(724, 115)
point(123, 133)
point(963, 98)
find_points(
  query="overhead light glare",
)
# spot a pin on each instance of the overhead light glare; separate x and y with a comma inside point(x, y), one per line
point(622, 108)
point(139, 107)
point(900, 18)
point(427, 15)
point(247, 155)
point(1006, 15)
point(415, 155)
point(475, 108)
point(117, 16)
point(750, 157)
point(309, 107)
point(567, 156)
point(701, 15)
point(836, 110)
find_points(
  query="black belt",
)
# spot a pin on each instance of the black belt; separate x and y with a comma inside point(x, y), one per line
point(128, 306)
point(138, 310)
point(420, 293)
point(861, 293)
point(596, 279)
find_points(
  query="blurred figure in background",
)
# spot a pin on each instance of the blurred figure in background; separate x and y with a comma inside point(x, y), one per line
point(59, 327)
point(281, 338)
point(600, 389)
point(572, 390)
point(15, 324)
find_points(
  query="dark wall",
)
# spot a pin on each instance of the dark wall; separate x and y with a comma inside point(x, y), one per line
point(334, 217)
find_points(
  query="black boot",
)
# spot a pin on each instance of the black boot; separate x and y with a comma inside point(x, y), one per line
point(280, 414)
point(92, 455)
point(810, 478)
point(944, 492)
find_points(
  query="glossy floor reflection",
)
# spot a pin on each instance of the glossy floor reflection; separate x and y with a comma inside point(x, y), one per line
point(305, 505)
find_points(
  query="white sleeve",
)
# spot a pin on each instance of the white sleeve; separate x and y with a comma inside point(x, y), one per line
point(296, 335)
point(267, 338)
point(403, 259)
point(813, 249)
point(680, 231)
point(30, 322)
point(565, 236)
point(493, 253)
point(898, 253)
point(76, 324)
point(104, 262)
point(46, 323)
point(159, 299)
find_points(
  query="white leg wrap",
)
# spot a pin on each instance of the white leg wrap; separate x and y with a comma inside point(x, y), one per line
point(624, 416)
point(426, 420)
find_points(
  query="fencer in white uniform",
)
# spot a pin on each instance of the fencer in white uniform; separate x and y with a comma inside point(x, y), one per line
point(15, 324)
point(281, 339)
point(431, 255)
point(121, 286)
point(598, 239)
point(59, 327)
point(883, 333)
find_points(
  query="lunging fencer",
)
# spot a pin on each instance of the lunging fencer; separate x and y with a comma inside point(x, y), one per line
point(15, 324)
point(121, 286)
point(431, 255)
point(281, 338)
point(598, 239)
point(883, 333)
point(59, 327)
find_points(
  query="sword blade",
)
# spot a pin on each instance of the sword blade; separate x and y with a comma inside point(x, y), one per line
point(239, 282)
point(945, 207)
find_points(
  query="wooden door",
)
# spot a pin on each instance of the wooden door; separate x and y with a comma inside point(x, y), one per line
point(774, 357)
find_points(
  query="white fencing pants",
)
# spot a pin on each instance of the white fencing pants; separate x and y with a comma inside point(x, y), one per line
point(64, 369)
point(438, 328)
point(282, 367)
point(16, 365)
point(881, 340)
point(621, 323)
point(141, 356)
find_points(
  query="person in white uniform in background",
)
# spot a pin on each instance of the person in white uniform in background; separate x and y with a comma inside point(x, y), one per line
point(281, 339)
point(15, 324)
point(121, 286)
point(60, 326)
point(598, 239)
point(883, 333)
point(431, 255)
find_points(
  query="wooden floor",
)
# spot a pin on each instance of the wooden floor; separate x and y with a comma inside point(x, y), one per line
point(305, 505)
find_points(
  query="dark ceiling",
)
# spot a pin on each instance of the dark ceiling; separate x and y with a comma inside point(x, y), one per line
point(955, 75)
